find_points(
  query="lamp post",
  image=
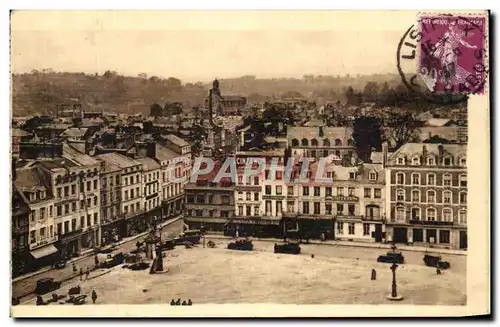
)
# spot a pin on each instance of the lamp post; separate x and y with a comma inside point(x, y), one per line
point(394, 292)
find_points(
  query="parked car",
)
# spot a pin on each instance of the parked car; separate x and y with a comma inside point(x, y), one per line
point(241, 244)
point(289, 247)
point(434, 260)
point(46, 285)
point(392, 257)
point(168, 245)
point(112, 261)
point(192, 236)
point(107, 249)
point(60, 264)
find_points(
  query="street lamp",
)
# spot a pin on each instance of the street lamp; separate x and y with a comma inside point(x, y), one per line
point(394, 292)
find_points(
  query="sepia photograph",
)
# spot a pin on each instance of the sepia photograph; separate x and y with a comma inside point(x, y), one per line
point(221, 163)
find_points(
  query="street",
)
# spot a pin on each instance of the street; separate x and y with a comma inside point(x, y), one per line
point(24, 288)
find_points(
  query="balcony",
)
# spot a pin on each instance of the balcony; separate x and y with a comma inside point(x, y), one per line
point(349, 217)
point(430, 222)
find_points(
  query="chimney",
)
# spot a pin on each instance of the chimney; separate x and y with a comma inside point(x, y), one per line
point(385, 147)
point(441, 153)
point(424, 154)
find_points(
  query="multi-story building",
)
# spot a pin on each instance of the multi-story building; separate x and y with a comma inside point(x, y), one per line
point(112, 223)
point(426, 195)
point(208, 203)
point(319, 142)
point(74, 177)
point(20, 233)
point(131, 190)
point(151, 194)
point(172, 190)
point(229, 105)
point(34, 191)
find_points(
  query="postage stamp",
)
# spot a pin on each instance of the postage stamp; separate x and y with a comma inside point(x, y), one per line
point(452, 54)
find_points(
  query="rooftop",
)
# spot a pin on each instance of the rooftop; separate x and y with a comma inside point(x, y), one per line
point(74, 132)
point(164, 154)
point(331, 133)
point(148, 163)
point(175, 140)
point(118, 160)
point(70, 152)
point(29, 179)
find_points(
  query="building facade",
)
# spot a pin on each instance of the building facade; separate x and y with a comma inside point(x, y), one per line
point(426, 188)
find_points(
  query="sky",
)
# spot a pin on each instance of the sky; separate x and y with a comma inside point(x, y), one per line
point(201, 45)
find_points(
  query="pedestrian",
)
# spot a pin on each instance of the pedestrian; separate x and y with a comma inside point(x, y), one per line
point(74, 267)
point(87, 273)
point(172, 302)
point(94, 296)
point(178, 302)
point(96, 260)
point(81, 274)
point(438, 271)
point(374, 274)
point(189, 302)
point(184, 302)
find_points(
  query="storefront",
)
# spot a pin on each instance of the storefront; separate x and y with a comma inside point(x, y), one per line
point(253, 228)
point(43, 256)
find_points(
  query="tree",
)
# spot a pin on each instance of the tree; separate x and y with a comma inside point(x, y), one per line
point(403, 128)
point(155, 110)
point(367, 135)
point(370, 92)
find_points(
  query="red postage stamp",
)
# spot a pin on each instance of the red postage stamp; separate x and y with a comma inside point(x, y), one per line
point(452, 56)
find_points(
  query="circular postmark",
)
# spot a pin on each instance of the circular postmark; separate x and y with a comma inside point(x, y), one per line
point(442, 58)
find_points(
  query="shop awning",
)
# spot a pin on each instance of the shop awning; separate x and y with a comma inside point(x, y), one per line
point(43, 251)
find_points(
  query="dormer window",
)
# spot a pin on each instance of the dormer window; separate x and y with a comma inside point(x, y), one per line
point(447, 161)
point(415, 161)
point(401, 161)
point(352, 175)
point(431, 161)
point(373, 176)
point(463, 162)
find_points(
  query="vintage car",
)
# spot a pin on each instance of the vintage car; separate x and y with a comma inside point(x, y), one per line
point(241, 244)
point(112, 261)
point(79, 300)
point(192, 236)
point(60, 264)
point(392, 257)
point(289, 247)
point(107, 249)
point(132, 258)
point(46, 285)
point(434, 260)
point(168, 245)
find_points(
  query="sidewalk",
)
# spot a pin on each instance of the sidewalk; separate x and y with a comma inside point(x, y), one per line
point(357, 244)
point(89, 252)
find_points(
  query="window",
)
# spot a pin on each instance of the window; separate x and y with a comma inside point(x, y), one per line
point(447, 197)
point(352, 175)
point(32, 237)
point(340, 209)
point(463, 162)
point(268, 189)
point(88, 186)
point(400, 213)
point(328, 208)
point(304, 142)
point(316, 191)
point(290, 190)
point(95, 200)
point(431, 214)
point(256, 196)
point(447, 161)
point(95, 184)
point(59, 190)
point(240, 195)
point(401, 161)
point(73, 207)
point(444, 236)
point(248, 197)
point(305, 207)
point(431, 179)
point(373, 176)
point(248, 210)
point(400, 178)
point(59, 228)
point(418, 235)
point(463, 180)
point(351, 228)
point(42, 213)
point(89, 223)
point(431, 196)
point(462, 216)
point(278, 190)
point(338, 142)
point(415, 161)
point(66, 208)
point(50, 211)
point(316, 208)
point(378, 193)
point(463, 198)
point(305, 190)
point(400, 195)
point(415, 213)
point(73, 189)
point(328, 191)
point(447, 214)
point(368, 193)
point(66, 227)
point(366, 229)
point(256, 210)
point(415, 196)
point(66, 191)
point(240, 210)
point(431, 161)
point(340, 191)
point(125, 181)
point(95, 218)
point(351, 191)
point(59, 211)
point(415, 178)
point(447, 180)
point(351, 209)
point(340, 228)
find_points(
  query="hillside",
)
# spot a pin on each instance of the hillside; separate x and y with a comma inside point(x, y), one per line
point(46, 92)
